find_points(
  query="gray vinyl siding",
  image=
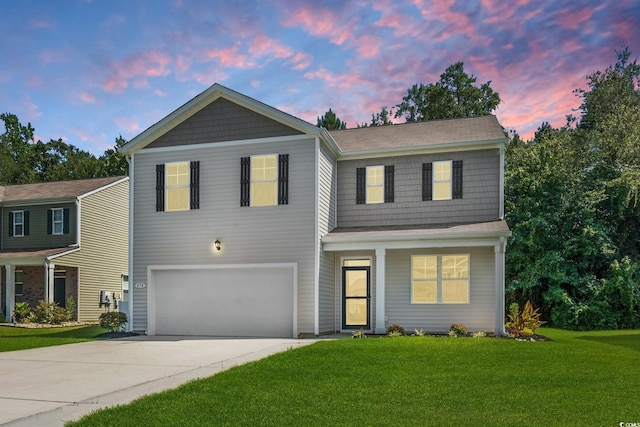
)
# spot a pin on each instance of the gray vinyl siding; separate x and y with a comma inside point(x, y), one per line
point(38, 237)
point(103, 254)
point(326, 222)
point(222, 120)
point(478, 315)
point(479, 203)
point(274, 234)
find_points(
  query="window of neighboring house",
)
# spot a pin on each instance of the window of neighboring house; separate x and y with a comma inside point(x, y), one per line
point(57, 221)
point(440, 279)
point(375, 184)
point(18, 280)
point(264, 180)
point(17, 227)
point(178, 186)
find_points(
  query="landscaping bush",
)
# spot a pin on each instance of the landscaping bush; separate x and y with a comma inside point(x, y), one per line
point(458, 330)
point(21, 311)
point(71, 308)
point(48, 312)
point(395, 330)
point(523, 323)
point(113, 321)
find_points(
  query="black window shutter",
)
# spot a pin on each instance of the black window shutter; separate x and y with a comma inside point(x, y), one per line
point(49, 221)
point(361, 186)
point(25, 219)
point(10, 224)
point(194, 185)
point(159, 188)
point(65, 221)
point(245, 181)
point(388, 184)
point(283, 179)
point(427, 181)
point(457, 179)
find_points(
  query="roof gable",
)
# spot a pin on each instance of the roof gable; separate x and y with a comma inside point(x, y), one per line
point(54, 190)
point(196, 109)
point(223, 120)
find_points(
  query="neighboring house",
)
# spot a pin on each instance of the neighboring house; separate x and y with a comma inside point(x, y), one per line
point(64, 239)
point(247, 221)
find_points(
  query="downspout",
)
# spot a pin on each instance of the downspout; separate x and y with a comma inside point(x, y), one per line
point(130, 245)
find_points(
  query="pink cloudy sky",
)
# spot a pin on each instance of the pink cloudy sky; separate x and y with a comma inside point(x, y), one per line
point(90, 70)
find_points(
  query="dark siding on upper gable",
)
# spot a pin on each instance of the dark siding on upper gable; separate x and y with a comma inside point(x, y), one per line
point(222, 120)
point(479, 203)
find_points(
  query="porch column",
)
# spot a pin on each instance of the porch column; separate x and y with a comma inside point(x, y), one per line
point(10, 292)
point(499, 250)
point(380, 290)
point(48, 281)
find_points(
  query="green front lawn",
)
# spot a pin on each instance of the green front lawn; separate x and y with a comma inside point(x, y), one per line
point(579, 378)
point(13, 338)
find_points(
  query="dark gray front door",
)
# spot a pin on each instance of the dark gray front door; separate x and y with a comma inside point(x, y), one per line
point(355, 297)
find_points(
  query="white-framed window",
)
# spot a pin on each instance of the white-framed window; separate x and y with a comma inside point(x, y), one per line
point(442, 180)
point(177, 186)
point(18, 281)
point(375, 184)
point(440, 279)
point(18, 223)
point(57, 221)
point(264, 180)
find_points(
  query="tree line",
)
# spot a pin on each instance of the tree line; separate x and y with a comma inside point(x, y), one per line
point(25, 161)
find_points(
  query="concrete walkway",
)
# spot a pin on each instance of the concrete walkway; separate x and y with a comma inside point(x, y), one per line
point(49, 386)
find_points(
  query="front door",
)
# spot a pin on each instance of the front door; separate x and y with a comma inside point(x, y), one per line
point(59, 291)
point(356, 297)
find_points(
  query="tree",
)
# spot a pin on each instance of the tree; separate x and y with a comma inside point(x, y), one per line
point(15, 151)
point(382, 118)
point(113, 162)
point(454, 95)
point(330, 121)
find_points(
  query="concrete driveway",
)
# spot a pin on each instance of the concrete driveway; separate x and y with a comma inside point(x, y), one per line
point(52, 385)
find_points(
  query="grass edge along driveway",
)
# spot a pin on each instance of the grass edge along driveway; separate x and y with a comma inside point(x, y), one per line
point(578, 378)
point(16, 338)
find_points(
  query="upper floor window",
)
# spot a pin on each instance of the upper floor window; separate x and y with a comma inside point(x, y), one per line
point(58, 221)
point(57, 218)
point(440, 279)
point(178, 186)
point(264, 180)
point(17, 224)
point(375, 184)
point(442, 180)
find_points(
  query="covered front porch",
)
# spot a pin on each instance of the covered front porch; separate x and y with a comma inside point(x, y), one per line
point(377, 279)
point(32, 276)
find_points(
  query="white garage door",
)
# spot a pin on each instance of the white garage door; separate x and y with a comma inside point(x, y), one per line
point(237, 301)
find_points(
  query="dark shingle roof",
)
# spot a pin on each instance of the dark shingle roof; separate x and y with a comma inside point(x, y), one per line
point(53, 190)
point(422, 134)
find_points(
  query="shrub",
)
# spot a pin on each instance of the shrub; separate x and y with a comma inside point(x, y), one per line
point(458, 330)
point(358, 334)
point(21, 311)
point(113, 321)
point(48, 312)
point(71, 308)
point(523, 323)
point(479, 334)
point(419, 333)
point(395, 330)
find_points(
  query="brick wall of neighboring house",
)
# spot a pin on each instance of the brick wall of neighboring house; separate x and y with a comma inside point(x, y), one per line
point(32, 285)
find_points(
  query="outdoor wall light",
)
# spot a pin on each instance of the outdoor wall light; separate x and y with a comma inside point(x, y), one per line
point(217, 245)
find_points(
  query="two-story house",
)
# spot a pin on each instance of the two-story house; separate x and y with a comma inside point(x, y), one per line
point(247, 221)
point(64, 239)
